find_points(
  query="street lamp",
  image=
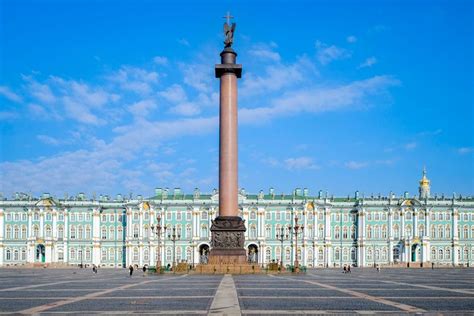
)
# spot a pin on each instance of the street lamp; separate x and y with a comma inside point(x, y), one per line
point(297, 229)
point(173, 236)
point(157, 230)
point(281, 236)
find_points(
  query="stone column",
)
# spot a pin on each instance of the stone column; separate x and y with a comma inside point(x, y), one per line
point(228, 228)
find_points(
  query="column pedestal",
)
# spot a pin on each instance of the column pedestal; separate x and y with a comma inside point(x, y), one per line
point(227, 242)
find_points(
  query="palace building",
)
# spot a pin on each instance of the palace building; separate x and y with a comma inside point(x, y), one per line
point(358, 230)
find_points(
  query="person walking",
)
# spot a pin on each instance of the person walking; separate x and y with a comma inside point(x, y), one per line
point(349, 269)
point(344, 269)
point(144, 270)
point(131, 270)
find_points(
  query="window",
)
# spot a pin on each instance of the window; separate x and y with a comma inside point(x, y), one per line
point(321, 231)
point(36, 216)
point(278, 216)
point(448, 253)
point(112, 254)
point(23, 217)
point(310, 231)
point(72, 253)
point(61, 216)
point(17, 217)
point(188, 231)
point(88, 254)
point(23, 232)
point(80, 232)
point(433, 253)
point(119, 232)
point(188, 215)
point(346, 218)
point(448, 216)
point(337, 233)
point(268, 254)
point(88, 232)
point(104, 254)
point(384, 216)
point(203, 231)
point(440, 254)
point(369, 254)
point(178, 216)
point(60, 233)
point(268, 231)
point(80, 217)
point(16, 255)
point(8, 255)
point(168, 254)
point(288, 216)
point(408, 216)
point(433, 232)
point(36, 231)
point(448, 231)
point(189, 254)
point(135, 231)
point(345, 254)
point(72, 232)
point(353, 232)
point(369, 232)
point(104, 218)
point(112, 232)
point(396, 216)
point(168, 216)
point(353, 254)
point(440, 216)
point(287, 255)
point(421, 230)
point(253, 215)
point(465, 232)
point(23, 254)
point(253, 231)
point(204, 215)
point(103, 232)
point(73, 217)
point(440, 232)
point(408, 230)
point(320, 216)
point(369, 216)
point(433, 216)
point(112, 217)
point(396, 231)
point(9, 217)
point(337, 254)
point(320, 254)
point(384, 232)
point(48, 231)
point(146, 255)
point(88, 217)
point(377, 216)
point(16, 232)
point(268, 215)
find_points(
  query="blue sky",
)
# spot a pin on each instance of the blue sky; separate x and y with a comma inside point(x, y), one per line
point(119, 96)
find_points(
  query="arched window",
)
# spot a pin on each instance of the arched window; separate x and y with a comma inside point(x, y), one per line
point(135, 254)
point(104, 254)
point(337, 254)
point(188, 231)
point(353, 232)
point(440, 232)
point(369, 231)
point(111, 254)
point(88, 232)
point(73, 232)
point(253, 215)
point(204, 215)
point(268, 231)
point(72, 253)
point(88, 254)
point(8, 255)
point(370, 255)
point(377, 254)
point(23, 254)
point(36, 216)
point(287, 254)
point(396, 253)
point(48, 231)
point(16, 232)
point(268, 254)
point(24, 234)
point(396, 216)
point(440, 254)
point(103, 232)
point(16, 255)
point(384, 253)
point(448, 253)
point(408, 230)
point(168, 254)
point(408, 216)
point(396, 231)
point(189, 254)
point(321, 231)
point(433, 231)
point(337, 232)
point(377, 231)
point(9, 232)
point(448, 231)
point(112, 232)
point(135, 216)
point(204, 232)
point(253, 231)
point(80, 232)
point(310, 231)
point(146, 216)
point(384, 231)
point(146, 255)
point(465, 232)
point(119, 232)
point(345, 233)
point(60, 232)
point(421, 230)
point(136, 230)
point(345, 254)
point(433, 253)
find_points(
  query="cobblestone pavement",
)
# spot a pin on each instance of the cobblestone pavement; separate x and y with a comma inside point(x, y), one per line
point(392, 291)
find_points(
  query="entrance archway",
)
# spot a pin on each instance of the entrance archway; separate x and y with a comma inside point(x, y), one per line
point(203, 253)
point(252, 253)
point(40, 253)
point(415, 253)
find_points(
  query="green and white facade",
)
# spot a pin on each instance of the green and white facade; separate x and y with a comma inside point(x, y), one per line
point(337, 231)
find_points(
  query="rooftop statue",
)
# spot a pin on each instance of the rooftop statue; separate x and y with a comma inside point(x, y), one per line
point(229, 31)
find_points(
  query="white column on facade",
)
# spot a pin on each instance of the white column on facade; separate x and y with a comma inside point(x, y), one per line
point(361, 233)
point(96, 255)
point(41, 228)
point(66, 235)
point(261, 221)
point(195, 217)
point(55, 224)
point(415, 223)
point(390, 235)
point(402, 223)
point(327, 224)
point(454, 253)
point(2, 227)
point(427, 223)
point(30, 223)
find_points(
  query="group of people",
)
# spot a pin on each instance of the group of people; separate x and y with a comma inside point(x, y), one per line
point(131, 269)
point(347, 269)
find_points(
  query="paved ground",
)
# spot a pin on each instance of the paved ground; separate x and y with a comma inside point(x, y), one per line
point(52, 291)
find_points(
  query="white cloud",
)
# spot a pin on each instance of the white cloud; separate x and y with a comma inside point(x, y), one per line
point(48, 140)
point(369, 62)
point(328, 53)
point(265, 52)
point(8, 115)
point(160, 60)
point(10, 95)
point(142, 108)
point(186, 109)
point(431, 133)
point(410, 146)
point(320, 99)
point(300, 163)
point(41, 92)
point(183, 42)
point(356, 164)
point(134, 79)
point(465, 150)
point(351, 39)
point(175, 94)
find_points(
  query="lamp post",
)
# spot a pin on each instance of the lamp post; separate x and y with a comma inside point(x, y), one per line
point(297, 229)
point(174, 236)
point(158, 230)
point(281, 236)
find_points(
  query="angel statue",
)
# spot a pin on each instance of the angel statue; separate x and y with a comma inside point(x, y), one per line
point(229, 31)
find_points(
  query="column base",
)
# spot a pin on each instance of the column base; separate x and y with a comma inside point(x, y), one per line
point(227, 242)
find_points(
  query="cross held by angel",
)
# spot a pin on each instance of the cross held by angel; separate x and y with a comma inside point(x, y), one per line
point(228, 31)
